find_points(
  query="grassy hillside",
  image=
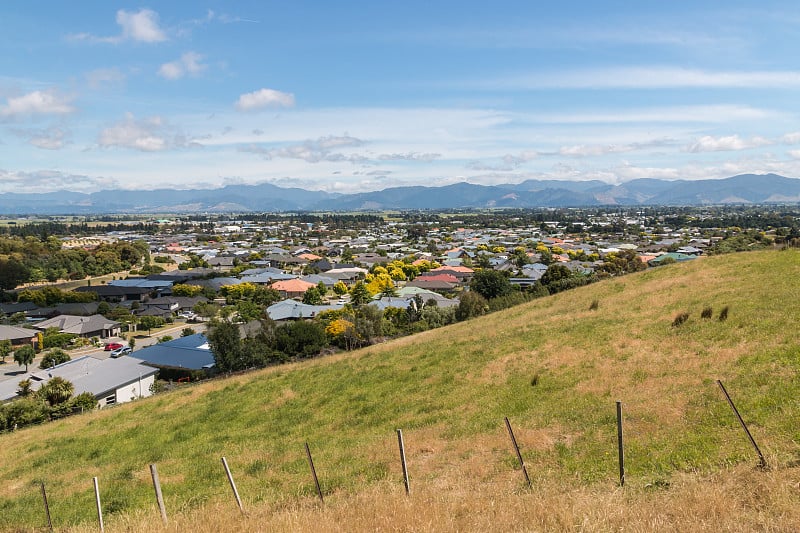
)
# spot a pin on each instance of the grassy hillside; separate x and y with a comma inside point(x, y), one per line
point(553, 366)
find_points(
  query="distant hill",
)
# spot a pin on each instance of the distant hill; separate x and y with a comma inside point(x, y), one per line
point(743, 189)
point(553, 366)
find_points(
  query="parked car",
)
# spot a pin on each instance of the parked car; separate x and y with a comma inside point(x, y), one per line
point(188, 315)
point(119, 352)
point(111, 346)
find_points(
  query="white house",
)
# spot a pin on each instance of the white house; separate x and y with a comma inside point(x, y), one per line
point(110, 381)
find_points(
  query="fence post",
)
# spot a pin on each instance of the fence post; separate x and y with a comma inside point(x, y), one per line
point(402, 446)
point(97, 503)
point(516, 449)
point(233, 485)
point(159, 496)
point(47, 508)
point(620, 445)
point(762, 463)
point(314, 473)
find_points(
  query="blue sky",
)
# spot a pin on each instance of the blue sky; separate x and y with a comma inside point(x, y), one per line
point(353, 96)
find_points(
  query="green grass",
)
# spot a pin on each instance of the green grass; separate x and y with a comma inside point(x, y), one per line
point(449, 390)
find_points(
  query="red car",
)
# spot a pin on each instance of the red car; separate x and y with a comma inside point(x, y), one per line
point(113, 346)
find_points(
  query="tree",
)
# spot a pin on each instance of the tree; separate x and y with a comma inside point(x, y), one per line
point(226, 345)
point(53, 358)
point(24, 355)
point(150, 322)
point(185, 332)
point(312, 296)
point(340, 288)
point(56, 391)
point(131, 341)
point(471, 304)
point(359, 294)
point(490, 284)
point(5, 349)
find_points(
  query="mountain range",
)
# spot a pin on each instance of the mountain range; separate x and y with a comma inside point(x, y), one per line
point(265, 197)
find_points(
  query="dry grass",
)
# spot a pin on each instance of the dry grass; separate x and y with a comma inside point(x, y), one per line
point(449, 389)
point(737, 499)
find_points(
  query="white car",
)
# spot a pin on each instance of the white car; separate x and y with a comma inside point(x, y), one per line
point(119, 352)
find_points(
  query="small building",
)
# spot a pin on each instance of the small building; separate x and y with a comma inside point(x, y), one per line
point(83, 326)
point(18, 336)
point(110, 381)
point(292, 288)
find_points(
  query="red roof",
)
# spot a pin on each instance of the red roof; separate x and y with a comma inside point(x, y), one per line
point(292, 285)
point(448, 278)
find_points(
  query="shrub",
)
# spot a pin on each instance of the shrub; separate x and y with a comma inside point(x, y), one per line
point(706, 313)
point(594, 305)
point(680, 318)
point(723, 315)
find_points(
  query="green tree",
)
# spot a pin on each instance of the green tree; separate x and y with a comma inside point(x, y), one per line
point(185, 332)
point(24, 355)
point(359, 294)
point(5, 349)
point(150, 322)
point(53, 358)
point(226, 345)
point(312, 296)
point(490, 284)
point(471, 304)
point(56, 391)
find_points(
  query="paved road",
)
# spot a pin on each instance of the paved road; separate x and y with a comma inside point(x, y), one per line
point(11, 370)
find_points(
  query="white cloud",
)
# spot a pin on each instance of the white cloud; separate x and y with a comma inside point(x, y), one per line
point(409, 156)
point(51, 180)
point(791, 138)
point(264, 98)
point(655, 77)
point(311, 151)
point(52, 138)
point(709, 143)
point(152, 134)
point(102, 77)
point(36, 103)
point(141, 26)
point(188, 64)
point(795, 154)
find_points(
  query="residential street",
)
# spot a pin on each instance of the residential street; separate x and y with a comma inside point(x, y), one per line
point(11, 370)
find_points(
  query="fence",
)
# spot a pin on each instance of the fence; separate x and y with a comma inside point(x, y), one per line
point(515, 447)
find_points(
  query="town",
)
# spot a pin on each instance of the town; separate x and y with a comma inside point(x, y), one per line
point(102, 311)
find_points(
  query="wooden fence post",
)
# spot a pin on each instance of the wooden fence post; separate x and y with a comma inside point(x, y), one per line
point(97, 503)
point(159, 496)
point(233, 485)
point(402, 446)
point(762, 463)
point(620, 445)
point(516, 450)
point(314, 473)
point(47, 508)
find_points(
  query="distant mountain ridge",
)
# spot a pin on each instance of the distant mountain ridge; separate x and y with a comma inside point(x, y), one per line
point(742, 189)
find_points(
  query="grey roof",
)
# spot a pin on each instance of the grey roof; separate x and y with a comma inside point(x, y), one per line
point(316, 279)
point(78, 324)
point(214, 283)
point(144, 283)
point(191, 352)
point(292, 309)
point(87, 374)
point(14, 333)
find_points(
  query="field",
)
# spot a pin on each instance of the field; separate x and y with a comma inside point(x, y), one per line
point(553, 366)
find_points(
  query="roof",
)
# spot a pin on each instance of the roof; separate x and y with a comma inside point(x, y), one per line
point(267, 277)
point(141, 282)
point(87, 374)
point(14, 333)
point(290, 309)
point(78, 324)
point(454, 268)
point(191, 352)
point(292, 285)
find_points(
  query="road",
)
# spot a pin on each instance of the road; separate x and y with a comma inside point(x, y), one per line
point(11, 370)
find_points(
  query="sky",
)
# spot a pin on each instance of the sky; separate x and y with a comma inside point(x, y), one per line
point(356, 96)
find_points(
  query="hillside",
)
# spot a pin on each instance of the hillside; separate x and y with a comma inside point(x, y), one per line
point(553, 366)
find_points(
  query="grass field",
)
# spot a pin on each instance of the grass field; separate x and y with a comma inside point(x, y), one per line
point(553, 366)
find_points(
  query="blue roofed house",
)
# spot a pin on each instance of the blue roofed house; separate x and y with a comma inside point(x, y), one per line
point(190, 353)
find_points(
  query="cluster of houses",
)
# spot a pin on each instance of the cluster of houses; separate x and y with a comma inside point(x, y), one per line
point(296, 259)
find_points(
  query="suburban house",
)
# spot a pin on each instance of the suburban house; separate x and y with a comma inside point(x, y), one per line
point(17, 336)
point(185, 353)
point(115, 294)
point(110, 381)
point(83, 326)
point(292, 288)
point(294, 310)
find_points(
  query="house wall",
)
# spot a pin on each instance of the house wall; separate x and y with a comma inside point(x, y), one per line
point(126, 392)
